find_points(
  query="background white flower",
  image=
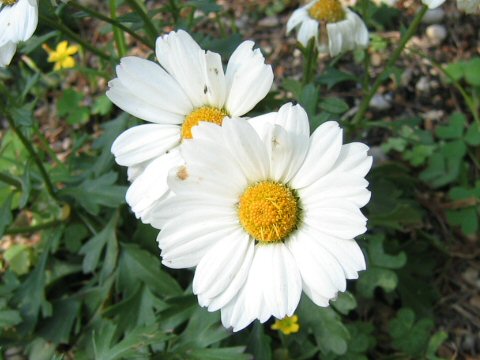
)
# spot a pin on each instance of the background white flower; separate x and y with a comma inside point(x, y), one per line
point(189, 86)
point(345, 30)
point(18, 21)
point(263, 211)
point(469, 6)
point(432, 4)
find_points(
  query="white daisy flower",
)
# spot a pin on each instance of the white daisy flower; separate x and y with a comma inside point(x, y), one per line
point(190, 86)
point(345, 30)
point(18, 21)
point(263, 210)
point(432, 4)
point(469, 6)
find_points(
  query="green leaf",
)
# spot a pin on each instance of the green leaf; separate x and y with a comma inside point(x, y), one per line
point(454, 128)
point(102, 105)
point(334, 105)
point(6, 214)
point(19, 257)
point(472, 71)
point(466, 218)
point(259, 344)
point(136, 264)
point(69, 105)
point(93, 248)
point(91, 194)
point(409, 336)
point(455, 70)
point(131, 344)
point(57, 328)
point(344, 303)
point(332, 76)
point(230, 353)
point(379, 258)
point(308, 99)
point(330, 334)
point(472, 137)
point(376, 277)
point(434, 344)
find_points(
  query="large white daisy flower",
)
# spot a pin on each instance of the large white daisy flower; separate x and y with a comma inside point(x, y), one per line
point(469, 6)
point(190, 86)
point(18, 21)
point(263, 211)
point(432, 4)
point(345, 30)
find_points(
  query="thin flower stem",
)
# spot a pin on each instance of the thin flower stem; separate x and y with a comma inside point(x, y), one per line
point(27, 144)
point(310, 61)
point(359, 118)
point(69, 33)
point(111, 21)
point(7, 179)
point(117, 33)
point(34, 228)
point(149, 27)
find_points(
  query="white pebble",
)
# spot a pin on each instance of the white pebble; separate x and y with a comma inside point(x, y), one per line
point(436, 33)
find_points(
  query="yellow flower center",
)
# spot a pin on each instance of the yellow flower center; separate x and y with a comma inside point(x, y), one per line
point(8, 2)
point(268, 211)
point(330, 11)
point(205, 113)
point(288, 325)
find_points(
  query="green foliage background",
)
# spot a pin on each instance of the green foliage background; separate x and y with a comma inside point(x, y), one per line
point(82, 278)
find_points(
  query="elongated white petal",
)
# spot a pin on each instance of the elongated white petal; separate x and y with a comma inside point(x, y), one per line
point(248, 79)
point(6, 53)
point(323, 151)
point(145, 142)
point(308, 30)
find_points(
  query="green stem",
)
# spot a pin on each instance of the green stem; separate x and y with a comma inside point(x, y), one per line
point(7, 179)
point(31, 229)
point(27, 144)
point(310, 60)
point(117, 33)
point(69, 33)
point(112, 21)
point(149, 27)
point(359, 118)
point(469, 100)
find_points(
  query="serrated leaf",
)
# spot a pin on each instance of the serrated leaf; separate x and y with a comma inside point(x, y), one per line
point(376, 277)
point(379, 258)
point(472, 137)
point(136, 264)
point(57, 328)
point(472, 71)
point(466, 218)
point(344, 303)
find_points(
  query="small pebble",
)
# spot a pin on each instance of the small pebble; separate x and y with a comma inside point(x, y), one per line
point(269, 22)
point(436, 33)
point(380, 102)
point(423, 85)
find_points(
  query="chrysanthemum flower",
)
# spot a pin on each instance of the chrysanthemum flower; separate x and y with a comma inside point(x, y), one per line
point(190, 86)
point(345, 30)
point(18, 21)
point(263, 210)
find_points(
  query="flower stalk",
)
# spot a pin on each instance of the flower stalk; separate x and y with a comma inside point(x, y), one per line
point(359, 119)
point(310, 55)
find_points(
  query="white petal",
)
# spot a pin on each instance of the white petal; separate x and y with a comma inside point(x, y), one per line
point(145, 142)
point(122, 96)
point(308, 30)
point(220, 265)
point(18, 22)
point(297, 17)
point(348, 34)
point(353, 159)
point(151, 186)
point(324, 149)
point(247, 149)
point(248, 79)
point(200, 75)
point(432, 4)
point(6, 53)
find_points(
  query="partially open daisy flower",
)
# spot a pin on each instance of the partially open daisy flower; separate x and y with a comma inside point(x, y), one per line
point(18, 21)
point(263, 210)
point(187, 87)
point(345, 30)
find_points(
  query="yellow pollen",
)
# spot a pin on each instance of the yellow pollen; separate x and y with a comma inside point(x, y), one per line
point(205, 113)
point(330, 11)
point(268, 211)
point(8, 2)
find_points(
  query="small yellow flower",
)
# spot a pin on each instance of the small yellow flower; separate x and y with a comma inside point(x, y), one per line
point(62, 55)
point(288, 325)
